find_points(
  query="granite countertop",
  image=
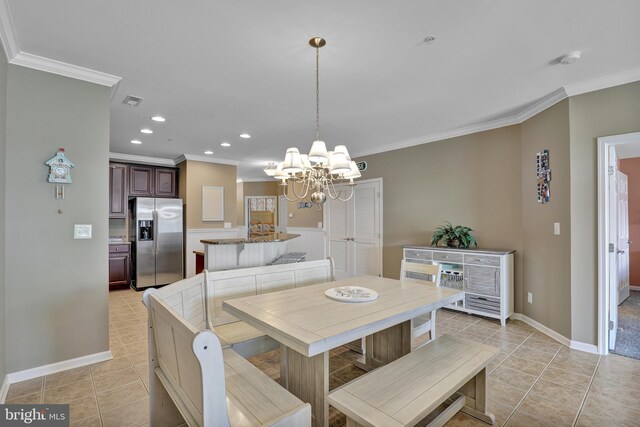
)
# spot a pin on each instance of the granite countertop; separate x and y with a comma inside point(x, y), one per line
point(276, 237)
point(468, 250)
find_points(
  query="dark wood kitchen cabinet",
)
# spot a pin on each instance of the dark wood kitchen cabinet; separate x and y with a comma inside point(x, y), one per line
point(119, 265)
point(166, 182)
point(149, 181)
point(141, 181)
point(117, 190)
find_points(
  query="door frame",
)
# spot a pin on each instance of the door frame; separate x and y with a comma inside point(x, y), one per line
point(326, 224)
point(604, 235)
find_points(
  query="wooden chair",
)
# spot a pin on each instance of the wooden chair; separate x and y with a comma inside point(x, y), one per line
point(429, 274)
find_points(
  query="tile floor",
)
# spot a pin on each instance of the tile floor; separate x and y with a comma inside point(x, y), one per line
point(534, 380)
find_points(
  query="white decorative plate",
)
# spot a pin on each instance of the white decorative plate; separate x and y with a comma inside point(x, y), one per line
point(351, 294)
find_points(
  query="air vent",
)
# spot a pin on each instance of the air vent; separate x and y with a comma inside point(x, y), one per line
point(132, 101)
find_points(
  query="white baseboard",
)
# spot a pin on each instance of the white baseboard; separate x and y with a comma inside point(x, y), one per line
point(4, 389)
point(634, 288)
point(589, 348)
point(40, 371)
point(575, 345)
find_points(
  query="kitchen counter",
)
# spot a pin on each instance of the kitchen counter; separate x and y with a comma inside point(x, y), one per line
point(243, 252)
point(464, 250)
point(276, 237)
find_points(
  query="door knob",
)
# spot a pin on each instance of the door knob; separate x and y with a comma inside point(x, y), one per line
point(619, 252)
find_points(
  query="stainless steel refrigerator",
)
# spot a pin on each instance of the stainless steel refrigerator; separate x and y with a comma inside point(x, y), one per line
point(156, 231)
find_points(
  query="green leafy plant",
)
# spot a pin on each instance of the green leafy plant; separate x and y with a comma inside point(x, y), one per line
point(452, 236)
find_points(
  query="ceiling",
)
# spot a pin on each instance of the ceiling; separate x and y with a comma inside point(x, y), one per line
point(216, 69)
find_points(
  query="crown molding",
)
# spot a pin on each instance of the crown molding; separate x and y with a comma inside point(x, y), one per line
point(146, 160)
point(206, 159)
point(542, 104)
point(617, 79)
point(63, 69)
point(7, 31)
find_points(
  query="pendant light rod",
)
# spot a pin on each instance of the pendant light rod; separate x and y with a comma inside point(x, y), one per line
point(317, 43)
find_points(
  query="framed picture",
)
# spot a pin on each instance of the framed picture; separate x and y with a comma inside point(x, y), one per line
point(212, 203)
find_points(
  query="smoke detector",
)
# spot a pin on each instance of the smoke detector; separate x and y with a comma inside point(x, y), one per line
point(570, 57)
point(132, 101)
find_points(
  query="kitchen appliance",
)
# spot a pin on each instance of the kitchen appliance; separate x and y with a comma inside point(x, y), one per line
point(156, 233)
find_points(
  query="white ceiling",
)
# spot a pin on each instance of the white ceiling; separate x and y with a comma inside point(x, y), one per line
point(216, 69)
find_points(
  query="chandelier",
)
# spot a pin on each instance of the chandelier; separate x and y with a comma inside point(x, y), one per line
point(320, 172)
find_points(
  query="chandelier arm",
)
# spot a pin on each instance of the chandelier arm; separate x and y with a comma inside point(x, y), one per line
point(305, 188)
point(350, 195)
point(284, 192)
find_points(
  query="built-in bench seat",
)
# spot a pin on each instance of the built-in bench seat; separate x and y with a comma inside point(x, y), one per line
point(407, 390)
point(193, 380)
point(201, 305)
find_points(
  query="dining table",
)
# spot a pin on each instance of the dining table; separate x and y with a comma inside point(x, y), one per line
point(308, 325)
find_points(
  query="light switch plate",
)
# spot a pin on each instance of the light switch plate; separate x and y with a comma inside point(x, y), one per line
point(319, 224)
point(82, 231)
point(227, 225)
point(556, 228)
point(529, 297)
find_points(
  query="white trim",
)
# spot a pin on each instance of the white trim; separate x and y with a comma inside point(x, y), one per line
point(634, 288)
point(603, 145)
point(205, 159)
point(611, 80)
point(587, 348)
point(52, 368)
point(146, 160)
point(4, 389)
point(63, 69)
point(7, 31)
point(540, 327)
point(542, 104)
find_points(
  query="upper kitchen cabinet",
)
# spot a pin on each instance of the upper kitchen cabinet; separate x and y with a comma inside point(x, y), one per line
point(149, 181)
point(166, 182)
point(117, 190)
point(141, 181)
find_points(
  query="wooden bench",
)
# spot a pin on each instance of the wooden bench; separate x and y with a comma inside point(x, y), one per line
point(199, 299)
point(405, 391)
point(193, 380)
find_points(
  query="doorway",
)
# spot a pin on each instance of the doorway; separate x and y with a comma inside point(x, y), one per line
point(613, 235)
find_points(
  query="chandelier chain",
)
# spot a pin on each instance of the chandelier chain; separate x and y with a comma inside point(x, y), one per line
point(317, 93)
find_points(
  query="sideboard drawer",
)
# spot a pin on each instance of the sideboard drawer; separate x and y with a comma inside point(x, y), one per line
point(482, 303)
point(482, 280)
point(124, 248)
point(482, 260)
point(418, 254)
point(447, 256)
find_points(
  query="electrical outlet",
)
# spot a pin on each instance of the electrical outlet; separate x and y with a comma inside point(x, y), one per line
point(529, 297)
point(319, 224)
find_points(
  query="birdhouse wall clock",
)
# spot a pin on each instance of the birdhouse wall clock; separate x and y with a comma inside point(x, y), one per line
point(59, 174)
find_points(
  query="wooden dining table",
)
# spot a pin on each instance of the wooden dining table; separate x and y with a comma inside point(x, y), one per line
point(308, 324)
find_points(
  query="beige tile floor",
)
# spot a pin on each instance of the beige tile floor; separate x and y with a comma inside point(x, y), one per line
point(534, 380)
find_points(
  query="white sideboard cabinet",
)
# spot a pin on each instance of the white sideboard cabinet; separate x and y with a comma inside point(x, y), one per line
point(485, 276)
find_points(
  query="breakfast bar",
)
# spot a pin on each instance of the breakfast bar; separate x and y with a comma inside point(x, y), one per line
point(243, 252)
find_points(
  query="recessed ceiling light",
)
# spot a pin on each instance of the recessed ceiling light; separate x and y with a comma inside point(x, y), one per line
point(226, 144)
point(136, 141)
point(209, 152)
point(158, 119)
point(428, 39)
point(145, 130)
point(245, 135)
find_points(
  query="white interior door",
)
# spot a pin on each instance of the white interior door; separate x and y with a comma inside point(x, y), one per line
point(612, 280)
point(354, 231)
point(622, 249)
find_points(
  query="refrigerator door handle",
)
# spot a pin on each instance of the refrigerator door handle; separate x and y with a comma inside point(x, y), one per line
point(155, 231)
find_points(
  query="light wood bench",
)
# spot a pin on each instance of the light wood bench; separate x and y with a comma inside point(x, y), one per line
point(199, 299)
point(193, 380)
point(405, 391)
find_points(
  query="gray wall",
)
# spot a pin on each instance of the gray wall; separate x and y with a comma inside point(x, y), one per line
point(3, 121)
point(56, 287)
point(605, 112)
point(547, 256)
point(474, 180)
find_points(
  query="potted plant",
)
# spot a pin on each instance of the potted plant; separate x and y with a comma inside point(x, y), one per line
point(452, 236)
